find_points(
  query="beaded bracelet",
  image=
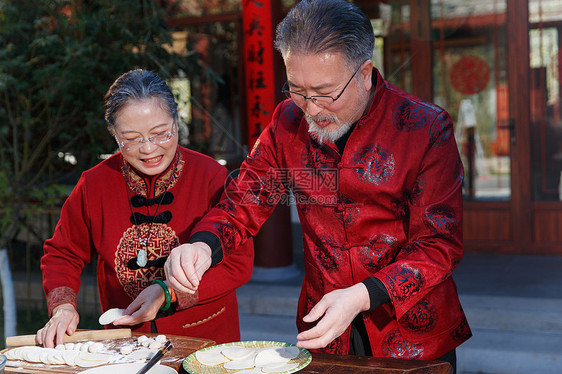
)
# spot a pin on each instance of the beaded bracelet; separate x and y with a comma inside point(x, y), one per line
point(166, 306)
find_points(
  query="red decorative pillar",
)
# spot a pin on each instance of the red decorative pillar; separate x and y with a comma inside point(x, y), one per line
point(273, 244)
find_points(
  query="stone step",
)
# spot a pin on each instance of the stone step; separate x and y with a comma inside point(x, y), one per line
point(513, 313)
point(269, 328)
point(511, 352)
point(268, 299)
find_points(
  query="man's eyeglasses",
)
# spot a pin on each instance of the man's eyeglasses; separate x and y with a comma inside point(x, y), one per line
point(319, 100)
point(160, 138)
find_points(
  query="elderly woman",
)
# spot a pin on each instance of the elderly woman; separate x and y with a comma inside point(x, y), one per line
point(132, 210)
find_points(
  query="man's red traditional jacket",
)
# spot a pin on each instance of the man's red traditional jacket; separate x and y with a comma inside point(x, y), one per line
point(389, 207)
point(97, 218)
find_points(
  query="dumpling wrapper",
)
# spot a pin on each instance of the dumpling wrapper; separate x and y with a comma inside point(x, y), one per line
point(273, 355)
point(246, 363)
point(238, 353)
point(86, 359)
point(14, 353)
point(142, 354)
point(280, 369)
point(31, 354)
point(211, 357)
point(69, 356)
point(51, 356)
point(111, 315)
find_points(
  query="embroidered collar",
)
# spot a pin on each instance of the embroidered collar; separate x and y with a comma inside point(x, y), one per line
point(141, 185)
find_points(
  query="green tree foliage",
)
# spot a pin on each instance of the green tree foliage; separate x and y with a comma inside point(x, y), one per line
point(57, 60)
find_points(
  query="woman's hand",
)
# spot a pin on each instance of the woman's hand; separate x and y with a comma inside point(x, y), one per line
point(63, 320)
point(144, 308)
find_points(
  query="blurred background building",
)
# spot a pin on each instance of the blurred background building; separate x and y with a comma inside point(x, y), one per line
point(494, 65)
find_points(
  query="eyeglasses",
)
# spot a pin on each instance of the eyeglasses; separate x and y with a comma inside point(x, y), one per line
point(160, 138)
point(319, 100)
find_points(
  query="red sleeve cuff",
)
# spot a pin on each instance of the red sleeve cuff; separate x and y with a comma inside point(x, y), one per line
point(59, 296)
point(186, 300)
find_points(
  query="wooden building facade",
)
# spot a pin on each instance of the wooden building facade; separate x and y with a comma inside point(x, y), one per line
point(494, 65)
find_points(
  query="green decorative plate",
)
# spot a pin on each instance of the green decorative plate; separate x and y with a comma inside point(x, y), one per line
point(193, 366)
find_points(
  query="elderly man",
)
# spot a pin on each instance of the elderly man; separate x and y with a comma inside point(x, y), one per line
point(377, 180)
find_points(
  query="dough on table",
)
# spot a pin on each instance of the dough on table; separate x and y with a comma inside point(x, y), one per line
point(155, 344)
point(125, 350)
point(32, 354)
point(147, 342)
point(161, 339)
point(142, 354)
point(86, 359)
point(95, 347)
point(69, 356)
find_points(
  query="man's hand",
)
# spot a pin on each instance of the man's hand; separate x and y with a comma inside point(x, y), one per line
point(63, 320)
point(144, 308)
point(336, 310)
point(186, 265)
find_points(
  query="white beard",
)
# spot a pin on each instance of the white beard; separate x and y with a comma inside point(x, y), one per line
point(324, 135)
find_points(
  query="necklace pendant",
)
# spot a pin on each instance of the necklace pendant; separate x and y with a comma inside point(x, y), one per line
point(141, 258)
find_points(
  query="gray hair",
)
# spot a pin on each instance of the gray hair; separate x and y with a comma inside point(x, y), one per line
point(138, 85)
point(317, 26)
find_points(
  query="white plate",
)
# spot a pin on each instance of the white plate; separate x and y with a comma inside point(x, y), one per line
point(129, 369)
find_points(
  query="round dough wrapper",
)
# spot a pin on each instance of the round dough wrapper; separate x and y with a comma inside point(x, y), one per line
point(111, 315)
point(31, 354)
point(69, 356)
point(247, 363)
point(86, 359)
point(142, 354)
point(211, 357)
point(272, 355)
point(238, 353)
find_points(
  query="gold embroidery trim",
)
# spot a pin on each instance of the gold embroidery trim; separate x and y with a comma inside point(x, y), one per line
point(187, 325)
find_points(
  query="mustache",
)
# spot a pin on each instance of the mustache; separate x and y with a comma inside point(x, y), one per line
point(320, 118)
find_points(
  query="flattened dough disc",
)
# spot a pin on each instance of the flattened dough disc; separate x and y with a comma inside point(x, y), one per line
point(111, 315)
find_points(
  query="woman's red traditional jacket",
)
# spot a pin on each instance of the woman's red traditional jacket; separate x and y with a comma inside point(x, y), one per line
point(97, 218)
point(389, 207)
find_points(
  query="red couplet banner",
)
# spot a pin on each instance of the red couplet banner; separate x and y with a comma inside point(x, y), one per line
point(258, 55)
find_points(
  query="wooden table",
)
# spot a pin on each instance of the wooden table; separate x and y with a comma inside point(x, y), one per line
point(321, 363)
point(336, 364)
